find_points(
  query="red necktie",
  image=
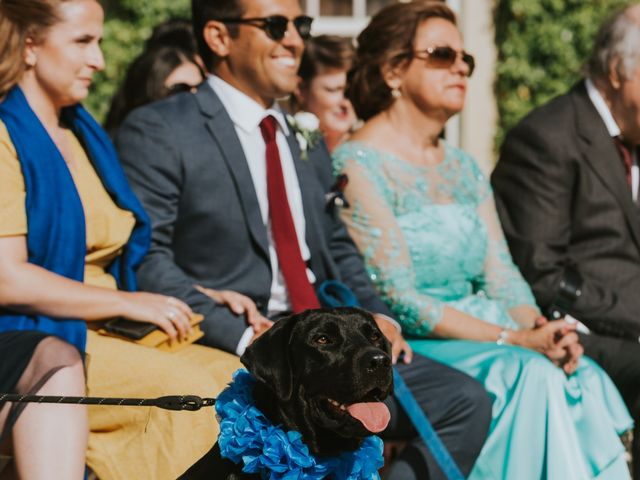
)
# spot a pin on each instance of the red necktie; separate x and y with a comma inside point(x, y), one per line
point(627, 156)
point(293, 268)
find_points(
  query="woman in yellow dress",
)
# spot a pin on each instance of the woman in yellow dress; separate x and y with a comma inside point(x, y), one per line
point(72, 234)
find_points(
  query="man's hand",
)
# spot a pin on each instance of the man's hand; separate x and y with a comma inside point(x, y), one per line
point(240, 305)
point(259, 332)
point(398, 343)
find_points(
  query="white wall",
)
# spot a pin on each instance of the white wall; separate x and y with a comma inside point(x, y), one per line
point(479, 118)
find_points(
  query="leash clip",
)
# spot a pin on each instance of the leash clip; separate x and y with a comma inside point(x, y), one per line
point(186, 402)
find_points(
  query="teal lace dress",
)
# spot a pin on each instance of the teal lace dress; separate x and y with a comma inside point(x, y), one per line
point(431, 237)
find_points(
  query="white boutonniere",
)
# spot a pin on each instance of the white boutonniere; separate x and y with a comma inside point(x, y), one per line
point(305, 125)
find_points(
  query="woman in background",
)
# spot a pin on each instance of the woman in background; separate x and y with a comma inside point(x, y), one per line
point(422, 213)
point(71, 236)
point(169, 64)
point(175, 32)
point(323, 79)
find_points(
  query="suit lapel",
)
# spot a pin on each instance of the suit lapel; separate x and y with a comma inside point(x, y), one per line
point(223, 132)
point(601, 154)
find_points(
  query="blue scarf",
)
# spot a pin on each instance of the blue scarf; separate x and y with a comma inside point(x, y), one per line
point(56, 238)
point(248, 437)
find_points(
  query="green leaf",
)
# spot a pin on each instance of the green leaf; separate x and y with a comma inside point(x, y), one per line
point(542, 45)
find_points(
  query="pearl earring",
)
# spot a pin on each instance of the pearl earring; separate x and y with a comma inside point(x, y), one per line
point(395, 93)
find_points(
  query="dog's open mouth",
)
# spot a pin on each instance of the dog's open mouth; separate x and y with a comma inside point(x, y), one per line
point(371, 413)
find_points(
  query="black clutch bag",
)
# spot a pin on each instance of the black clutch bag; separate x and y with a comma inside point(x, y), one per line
point(149, 335)
point(129, 329)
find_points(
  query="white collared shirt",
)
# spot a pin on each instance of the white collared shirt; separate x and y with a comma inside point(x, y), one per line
point(614, 131)
point(246, 115)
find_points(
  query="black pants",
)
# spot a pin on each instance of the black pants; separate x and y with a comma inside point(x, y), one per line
point(457, 406)
point(621, 360)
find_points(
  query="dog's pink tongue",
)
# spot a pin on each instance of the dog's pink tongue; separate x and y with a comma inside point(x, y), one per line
point(374, 416)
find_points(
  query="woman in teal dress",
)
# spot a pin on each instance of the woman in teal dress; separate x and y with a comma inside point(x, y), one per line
point(423, 215)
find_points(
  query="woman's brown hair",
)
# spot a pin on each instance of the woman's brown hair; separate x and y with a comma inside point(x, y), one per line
point(20, 20)
point(322, 53)
point(325, 52)
point(387, 42)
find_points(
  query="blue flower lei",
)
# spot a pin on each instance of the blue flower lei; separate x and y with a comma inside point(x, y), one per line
point(247, 436)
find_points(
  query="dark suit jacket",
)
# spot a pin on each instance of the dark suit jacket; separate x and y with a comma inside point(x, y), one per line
point(186, 164)
point(563, 199)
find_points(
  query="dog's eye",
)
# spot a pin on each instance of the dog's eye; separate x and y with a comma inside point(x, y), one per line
point(375, 336)
point(322, 340)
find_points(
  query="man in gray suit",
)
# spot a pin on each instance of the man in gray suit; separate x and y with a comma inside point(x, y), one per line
point(567, 187)
point(237, 205)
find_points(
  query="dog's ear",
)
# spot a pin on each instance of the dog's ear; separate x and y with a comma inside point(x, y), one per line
point(267, 358)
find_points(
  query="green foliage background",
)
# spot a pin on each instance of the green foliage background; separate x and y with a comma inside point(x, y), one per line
point(542, 45)
point(128, 23)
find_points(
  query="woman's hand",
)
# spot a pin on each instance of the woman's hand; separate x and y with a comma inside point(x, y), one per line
point(170, 314)
point(240, 305)
point(570, 344)
point(572, 358)
point(556, 340)
point(525, 316)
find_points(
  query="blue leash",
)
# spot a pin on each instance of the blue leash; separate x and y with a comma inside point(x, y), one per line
point(424, 428)
point(332, 293)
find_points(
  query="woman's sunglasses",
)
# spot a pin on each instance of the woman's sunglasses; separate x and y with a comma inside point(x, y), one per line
point(181, 87)
point(276, 25)
point(445, 57)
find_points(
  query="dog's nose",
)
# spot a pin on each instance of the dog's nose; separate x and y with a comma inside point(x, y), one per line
point(378, 361)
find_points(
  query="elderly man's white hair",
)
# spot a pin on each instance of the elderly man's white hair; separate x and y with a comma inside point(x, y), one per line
point(617, 45)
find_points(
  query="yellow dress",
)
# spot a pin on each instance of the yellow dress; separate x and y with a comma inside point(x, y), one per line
point(131, 443)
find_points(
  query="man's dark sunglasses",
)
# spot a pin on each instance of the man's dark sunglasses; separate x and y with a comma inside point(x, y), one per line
point(276, 25)
point(445, 57)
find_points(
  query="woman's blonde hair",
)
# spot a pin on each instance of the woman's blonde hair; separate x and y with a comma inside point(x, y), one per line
point(19, 21)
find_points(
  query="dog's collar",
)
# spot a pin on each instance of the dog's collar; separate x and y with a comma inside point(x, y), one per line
point(247, 436)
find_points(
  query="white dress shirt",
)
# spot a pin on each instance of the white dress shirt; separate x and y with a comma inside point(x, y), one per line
point(246, 115)
point(614, 130)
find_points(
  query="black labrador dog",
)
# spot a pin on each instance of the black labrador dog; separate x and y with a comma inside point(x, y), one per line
point(323, 373)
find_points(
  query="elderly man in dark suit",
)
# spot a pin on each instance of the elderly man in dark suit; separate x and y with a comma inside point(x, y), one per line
point(567, 190)
point(238, 204)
